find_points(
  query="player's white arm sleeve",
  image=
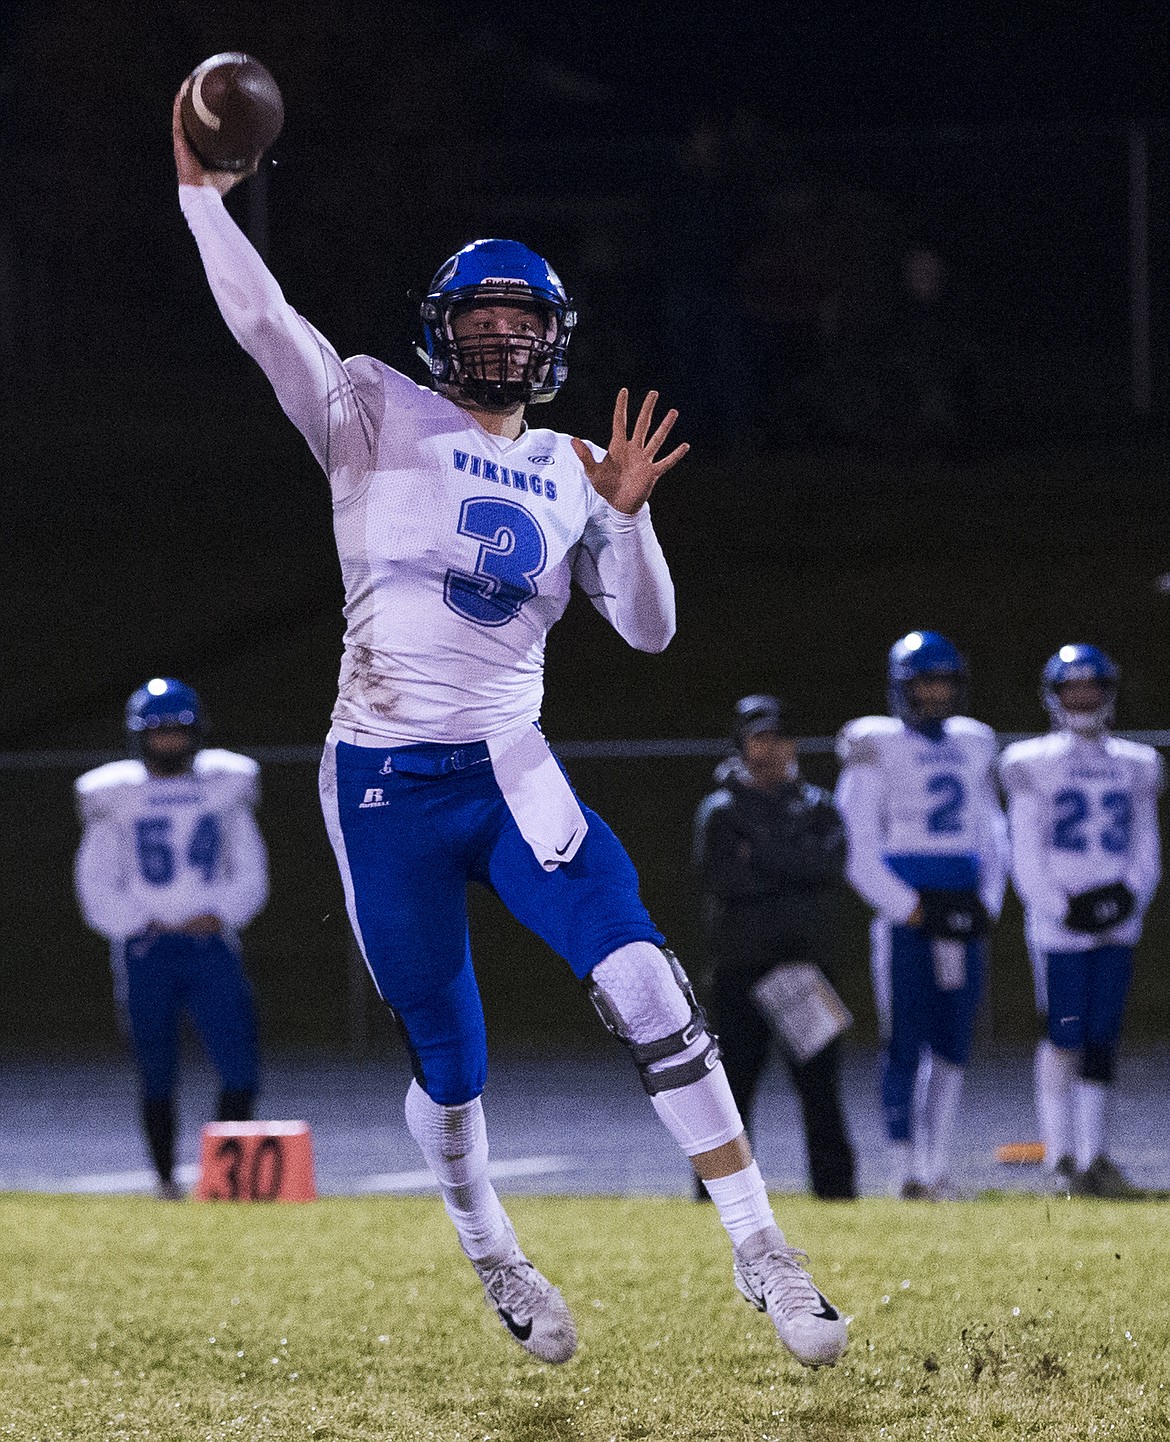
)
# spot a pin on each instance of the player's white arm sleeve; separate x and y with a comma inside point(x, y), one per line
point(1145, 863)
point(101, 878)
point(243, 889)
point(310, 380)
point(994, 852)
point(860, 801)
point(620, 567)
point(1028, 828)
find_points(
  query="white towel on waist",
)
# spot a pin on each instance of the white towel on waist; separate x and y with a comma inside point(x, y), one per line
point(540, 799)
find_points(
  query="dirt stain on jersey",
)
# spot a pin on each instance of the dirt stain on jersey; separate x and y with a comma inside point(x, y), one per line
point(366, 684)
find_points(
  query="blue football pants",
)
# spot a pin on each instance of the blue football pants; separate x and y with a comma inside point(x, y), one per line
point(923, 1014)
point(407, 846)
point(1087, 991)
point(204, 975)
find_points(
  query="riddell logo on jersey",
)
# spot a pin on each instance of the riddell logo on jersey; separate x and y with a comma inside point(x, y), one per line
point(373, 798)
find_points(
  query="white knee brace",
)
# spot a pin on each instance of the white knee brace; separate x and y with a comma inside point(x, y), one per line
point(644, 998)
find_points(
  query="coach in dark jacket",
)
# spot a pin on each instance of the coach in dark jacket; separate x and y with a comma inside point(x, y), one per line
point(770, 852)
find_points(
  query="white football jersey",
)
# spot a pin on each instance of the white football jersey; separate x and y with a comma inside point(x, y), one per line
point(1083, 813)
point(165, 849)
point(921, 813)
point(457, 546)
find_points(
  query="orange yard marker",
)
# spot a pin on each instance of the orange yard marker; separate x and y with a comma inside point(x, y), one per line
point(256, 1162)
point(1021, 1154)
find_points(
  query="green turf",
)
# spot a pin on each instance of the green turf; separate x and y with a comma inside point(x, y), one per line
point(347, 1319)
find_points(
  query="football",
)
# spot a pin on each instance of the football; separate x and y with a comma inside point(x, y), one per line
point(232, 111)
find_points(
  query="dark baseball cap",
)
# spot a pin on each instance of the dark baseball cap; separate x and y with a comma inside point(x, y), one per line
point(755, 714)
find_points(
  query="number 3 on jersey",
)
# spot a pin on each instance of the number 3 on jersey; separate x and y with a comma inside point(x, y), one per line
point(156, 849)
point(511, 556)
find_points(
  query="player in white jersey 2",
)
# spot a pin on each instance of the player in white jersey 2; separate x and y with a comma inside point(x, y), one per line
point(1086, 859)
point(171, 867)
point(460, 530)
point(927, 850)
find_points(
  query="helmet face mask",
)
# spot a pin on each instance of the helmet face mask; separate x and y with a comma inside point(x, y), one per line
point(496, 369)
point(1073, 664)
point(934, 697)
point(168, 750)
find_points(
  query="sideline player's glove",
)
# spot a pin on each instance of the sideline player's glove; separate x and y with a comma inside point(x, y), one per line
point(953, 915)
point(1099, 909)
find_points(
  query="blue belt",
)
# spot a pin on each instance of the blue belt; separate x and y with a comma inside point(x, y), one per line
point(428, 759)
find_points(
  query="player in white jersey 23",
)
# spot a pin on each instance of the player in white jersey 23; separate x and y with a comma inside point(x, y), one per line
point(1086, 859)
point(460, 530)
point(171, 867)
point(927, 850)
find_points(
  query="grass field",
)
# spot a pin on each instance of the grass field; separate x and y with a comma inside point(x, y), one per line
point(358, 1318)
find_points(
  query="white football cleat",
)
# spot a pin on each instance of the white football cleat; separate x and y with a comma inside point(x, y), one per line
point(528, 1304)
point(769, 1275)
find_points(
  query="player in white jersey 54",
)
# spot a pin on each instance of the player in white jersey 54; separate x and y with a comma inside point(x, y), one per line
point(171, 867)
point(927, 852)
point(460, 530)
point(1086, 859)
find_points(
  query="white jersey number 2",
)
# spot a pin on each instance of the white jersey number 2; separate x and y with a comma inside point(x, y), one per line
point(945, 818)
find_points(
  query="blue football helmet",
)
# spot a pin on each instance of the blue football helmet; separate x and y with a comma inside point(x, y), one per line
point(496, 372)
point(1079, 662)
point(163, 702)
point(918, 654)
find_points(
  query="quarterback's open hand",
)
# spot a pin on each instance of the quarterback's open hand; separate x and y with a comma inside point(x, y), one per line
point(628, 472)
point(190, 169)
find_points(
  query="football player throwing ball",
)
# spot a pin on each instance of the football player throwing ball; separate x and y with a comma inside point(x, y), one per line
point(460, 531)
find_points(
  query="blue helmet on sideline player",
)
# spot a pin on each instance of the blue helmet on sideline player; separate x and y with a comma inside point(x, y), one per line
point(496, 372)
point(1078, 662)
point(163, 702)
point(918, 655)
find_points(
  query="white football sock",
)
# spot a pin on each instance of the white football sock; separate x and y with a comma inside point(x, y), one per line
point(1088, 1120)
point(920, 1140)
point(454, 1142)
point(942, 1107)
point(742, 1203)
point(898, 1158)
point(1054, 1071)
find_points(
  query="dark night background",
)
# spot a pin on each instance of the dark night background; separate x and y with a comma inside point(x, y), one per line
point(881, 265)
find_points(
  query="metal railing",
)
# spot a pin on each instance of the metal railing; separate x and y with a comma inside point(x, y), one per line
point(664, 748)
